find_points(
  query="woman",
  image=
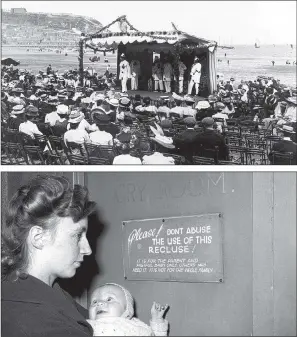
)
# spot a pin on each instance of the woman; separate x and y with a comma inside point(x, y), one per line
point(43, 239)
point(75, 134)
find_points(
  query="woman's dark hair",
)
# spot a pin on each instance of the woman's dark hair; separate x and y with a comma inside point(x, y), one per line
point(41, 202)
point(73, 126)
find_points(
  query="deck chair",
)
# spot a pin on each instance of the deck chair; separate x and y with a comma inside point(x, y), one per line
point(270, 140)
point(92, 150)
point(256, 156)
point(108, 152)
point(238, 153)
point(179, 160)
point(282, 158)
point(227, 162)
point(76, 159)
point(197, 160)
point(98, 161)
point(56, 152)
point(34, 154)
point(15, 154)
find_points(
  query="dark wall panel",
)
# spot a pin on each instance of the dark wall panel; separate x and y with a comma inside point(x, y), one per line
point(195, 308)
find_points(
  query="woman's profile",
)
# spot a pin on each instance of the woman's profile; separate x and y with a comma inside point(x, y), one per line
point(44, 239)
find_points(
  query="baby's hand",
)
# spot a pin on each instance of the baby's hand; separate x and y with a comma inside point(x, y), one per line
point(158, 311)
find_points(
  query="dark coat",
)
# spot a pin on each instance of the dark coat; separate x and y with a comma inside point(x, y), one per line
point(14, 123)
point(32, 308)
point(209, 139)
point(60, 128)
point(284, 146)
point(185, 143)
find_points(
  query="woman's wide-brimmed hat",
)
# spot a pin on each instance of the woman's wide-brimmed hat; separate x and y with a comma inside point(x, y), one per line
point(286, 128)
point(189, 99)
point(113, 102)
point(177, 97)
point(124, 102)
point(76, 116)
point(164, 141)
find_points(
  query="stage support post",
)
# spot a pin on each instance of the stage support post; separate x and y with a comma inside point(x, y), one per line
point(81, 61)
point(176, 58)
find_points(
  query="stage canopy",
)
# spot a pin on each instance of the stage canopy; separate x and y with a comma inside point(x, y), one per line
point(130, 40)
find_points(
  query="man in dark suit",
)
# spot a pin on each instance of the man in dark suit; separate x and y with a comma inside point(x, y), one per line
point(185, 142)
point(208, 140)
point(285, 145)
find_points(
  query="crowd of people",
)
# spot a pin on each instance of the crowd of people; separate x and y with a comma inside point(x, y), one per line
point(173, 129)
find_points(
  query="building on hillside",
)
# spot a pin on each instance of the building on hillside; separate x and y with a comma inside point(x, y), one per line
point(18, 10)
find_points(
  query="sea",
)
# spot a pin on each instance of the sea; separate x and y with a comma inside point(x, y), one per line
point(245, 61)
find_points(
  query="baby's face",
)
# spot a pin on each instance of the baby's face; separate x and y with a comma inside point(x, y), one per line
point(107, 301)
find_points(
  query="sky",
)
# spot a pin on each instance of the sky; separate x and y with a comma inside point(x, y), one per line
point(227, 22)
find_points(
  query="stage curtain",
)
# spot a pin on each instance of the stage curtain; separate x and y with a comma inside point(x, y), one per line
point(212, 71)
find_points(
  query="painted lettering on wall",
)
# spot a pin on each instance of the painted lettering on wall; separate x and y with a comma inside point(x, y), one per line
point(202, 185)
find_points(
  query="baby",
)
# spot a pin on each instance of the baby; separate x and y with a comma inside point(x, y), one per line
point(111, 314)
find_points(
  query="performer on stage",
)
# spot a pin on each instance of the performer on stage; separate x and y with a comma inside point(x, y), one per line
point(181, 71)
point(167, 75)
point(157, 74)
point(135, 73)
point(125, 72)
point(195, 76)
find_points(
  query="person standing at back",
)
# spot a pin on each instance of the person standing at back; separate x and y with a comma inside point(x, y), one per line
point(167, 75)
point(195, 76)
point(135, 73)
point(125, 72)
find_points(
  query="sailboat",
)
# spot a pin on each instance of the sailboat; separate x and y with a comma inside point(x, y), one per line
point(257, 44)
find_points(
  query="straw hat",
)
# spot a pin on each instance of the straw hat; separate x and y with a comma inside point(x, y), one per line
point(113, 102)
point(202, 105)
point(18, 109)
point(76, 116)
point(62, 109)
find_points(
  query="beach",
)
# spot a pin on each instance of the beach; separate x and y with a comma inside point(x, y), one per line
point(245, 62)
point(248, 62)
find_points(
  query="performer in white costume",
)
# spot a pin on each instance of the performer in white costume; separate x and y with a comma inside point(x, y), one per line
point(157, 74)
point(181, 72)
point(195, 76)
point(167, 76)
point(125, 72)
point(135, 73)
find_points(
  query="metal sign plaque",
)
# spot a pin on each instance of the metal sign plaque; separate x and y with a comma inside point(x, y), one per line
point(182, 249)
